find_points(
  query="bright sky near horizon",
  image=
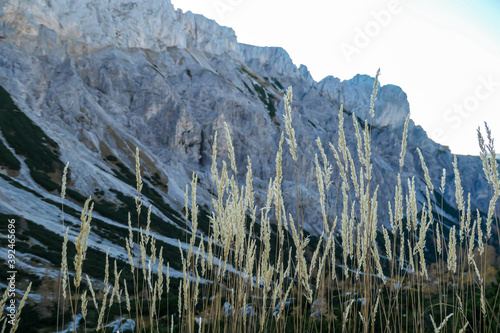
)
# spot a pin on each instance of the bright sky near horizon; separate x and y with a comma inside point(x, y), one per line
point(444, 54)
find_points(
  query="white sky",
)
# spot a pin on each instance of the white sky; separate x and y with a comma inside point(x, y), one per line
point(445, 55)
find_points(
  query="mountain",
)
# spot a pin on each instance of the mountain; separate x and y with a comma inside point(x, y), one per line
point(88, 81)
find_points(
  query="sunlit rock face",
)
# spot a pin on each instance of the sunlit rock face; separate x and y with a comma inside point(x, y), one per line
point(101, 77)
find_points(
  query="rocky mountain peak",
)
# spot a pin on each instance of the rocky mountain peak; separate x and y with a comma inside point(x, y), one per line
point(123, 73)
point(271, 61)
point(207, 35)
point(391, 106)
point(76, 26)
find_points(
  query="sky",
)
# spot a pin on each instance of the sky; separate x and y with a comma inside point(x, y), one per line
point(444, 54)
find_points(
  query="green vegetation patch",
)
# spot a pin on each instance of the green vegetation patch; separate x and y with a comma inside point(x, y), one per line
point(51, 250)
point(157, 224)
point(6, 101)
point(28, 140)
point(15, 183)
point(7, 159)
point(361, 122)
point(278, 84)
point(445, 206)
point(248, 88)
point(119, 212)
point(128, 177)
point(244, 70)
point(111, 158)
point(267, 99)
point(310, 122)
point(155, 180)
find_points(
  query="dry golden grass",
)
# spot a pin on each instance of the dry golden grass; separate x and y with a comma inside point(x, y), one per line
point(260, 279)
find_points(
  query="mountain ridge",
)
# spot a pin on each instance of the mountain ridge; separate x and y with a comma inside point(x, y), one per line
point(166, 84)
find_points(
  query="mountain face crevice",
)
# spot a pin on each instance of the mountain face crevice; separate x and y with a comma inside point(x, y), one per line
point(102, 77)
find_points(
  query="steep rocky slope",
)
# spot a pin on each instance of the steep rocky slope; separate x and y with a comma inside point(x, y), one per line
point(94, 79)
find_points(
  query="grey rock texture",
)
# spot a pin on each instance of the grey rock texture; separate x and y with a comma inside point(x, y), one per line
point(102, 77)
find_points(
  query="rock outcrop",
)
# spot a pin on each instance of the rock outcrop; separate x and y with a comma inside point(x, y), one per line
point(101, 77)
